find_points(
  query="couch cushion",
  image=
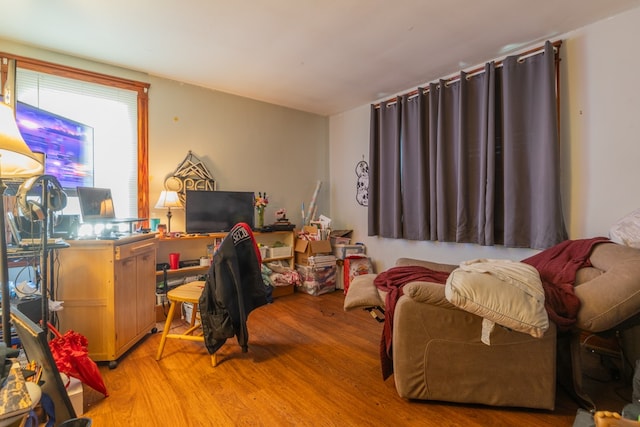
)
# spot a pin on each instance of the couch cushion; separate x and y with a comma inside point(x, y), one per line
point(506, 292)
point(363, 293)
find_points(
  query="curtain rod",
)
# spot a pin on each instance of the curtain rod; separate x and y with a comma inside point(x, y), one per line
point(477, 70)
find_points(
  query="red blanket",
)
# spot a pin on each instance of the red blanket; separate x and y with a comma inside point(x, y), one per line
point(557, 267)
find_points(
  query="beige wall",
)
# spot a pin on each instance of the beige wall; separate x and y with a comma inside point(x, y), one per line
point(247, 145)
point(600, 115)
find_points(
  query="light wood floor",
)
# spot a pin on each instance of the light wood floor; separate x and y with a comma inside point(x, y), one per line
point(309, 364)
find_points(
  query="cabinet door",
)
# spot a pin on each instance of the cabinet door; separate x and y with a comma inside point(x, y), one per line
point(146, 291)
point(86, 284)
point(125, 301)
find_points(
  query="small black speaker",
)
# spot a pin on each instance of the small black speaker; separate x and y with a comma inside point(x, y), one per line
point(31, 307)
point(66, 226)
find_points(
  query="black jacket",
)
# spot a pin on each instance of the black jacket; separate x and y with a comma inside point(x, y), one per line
point(233, 289)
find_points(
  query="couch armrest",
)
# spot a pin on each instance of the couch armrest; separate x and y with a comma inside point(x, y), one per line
point(610, 298)
point(428, 293)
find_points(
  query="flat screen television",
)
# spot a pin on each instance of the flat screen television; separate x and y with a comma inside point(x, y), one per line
point(67, 144)
point(217, 211)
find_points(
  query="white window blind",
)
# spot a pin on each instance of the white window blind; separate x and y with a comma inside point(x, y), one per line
point(112, 112)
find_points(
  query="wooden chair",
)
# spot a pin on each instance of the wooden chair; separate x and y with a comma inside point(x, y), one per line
point(189, 292)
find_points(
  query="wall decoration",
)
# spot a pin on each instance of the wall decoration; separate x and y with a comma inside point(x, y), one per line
point(191, 174)
point(362, 183)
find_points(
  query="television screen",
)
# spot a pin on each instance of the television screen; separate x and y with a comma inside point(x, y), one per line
point(68, 145)
point(217, 211)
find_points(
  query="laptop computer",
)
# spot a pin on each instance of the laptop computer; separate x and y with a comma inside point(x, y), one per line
point(27, 242)
point(96, 204)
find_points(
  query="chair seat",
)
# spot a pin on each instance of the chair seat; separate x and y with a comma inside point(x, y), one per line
point(187, 293)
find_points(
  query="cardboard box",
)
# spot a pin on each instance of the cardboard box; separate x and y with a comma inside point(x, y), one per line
point(306, 248)
point(317, 280)
point(279, 291)
point(162, 311)
point(75, 392)
point(160, 315)
point(311, 231)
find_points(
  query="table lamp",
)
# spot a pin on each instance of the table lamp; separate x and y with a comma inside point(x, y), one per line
point(169, 199)
point(16, 161)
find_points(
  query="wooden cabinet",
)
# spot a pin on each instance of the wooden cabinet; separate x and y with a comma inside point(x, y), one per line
point(108, 289)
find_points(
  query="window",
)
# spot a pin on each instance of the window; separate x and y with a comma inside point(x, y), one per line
point(115, 108)
point(473, 159)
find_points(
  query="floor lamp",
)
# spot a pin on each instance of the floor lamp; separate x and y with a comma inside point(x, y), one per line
point(169, 199)
point(16, 161)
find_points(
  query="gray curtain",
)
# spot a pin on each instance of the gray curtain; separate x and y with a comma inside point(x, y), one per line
point(475, 160)
point(415, 169)
point(532, 201)
point(385, 155)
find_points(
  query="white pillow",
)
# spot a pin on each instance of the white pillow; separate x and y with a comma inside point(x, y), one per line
point(626, 231)
point(506, 292)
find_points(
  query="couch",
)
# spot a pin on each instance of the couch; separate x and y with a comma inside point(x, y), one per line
point(438, 352)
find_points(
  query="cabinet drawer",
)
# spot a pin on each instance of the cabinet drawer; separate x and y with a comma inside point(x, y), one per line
point(133, 249)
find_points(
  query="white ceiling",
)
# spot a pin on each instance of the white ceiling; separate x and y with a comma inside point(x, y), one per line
point(320, 56)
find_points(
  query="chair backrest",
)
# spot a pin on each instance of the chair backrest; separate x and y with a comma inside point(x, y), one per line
point(239, 232)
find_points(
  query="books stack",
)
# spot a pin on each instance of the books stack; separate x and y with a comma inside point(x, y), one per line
point(322, 260)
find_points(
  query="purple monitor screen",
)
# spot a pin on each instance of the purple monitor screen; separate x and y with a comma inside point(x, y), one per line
point(68, 145)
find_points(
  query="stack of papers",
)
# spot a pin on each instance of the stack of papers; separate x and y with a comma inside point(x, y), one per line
point(321, 260)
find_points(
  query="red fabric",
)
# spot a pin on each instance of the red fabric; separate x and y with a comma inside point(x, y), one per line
point(392, 281)
point(557, 267)
point(72, 358)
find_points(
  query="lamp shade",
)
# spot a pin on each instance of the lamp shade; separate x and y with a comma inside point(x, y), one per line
point(168, 199)
point(16, 159)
